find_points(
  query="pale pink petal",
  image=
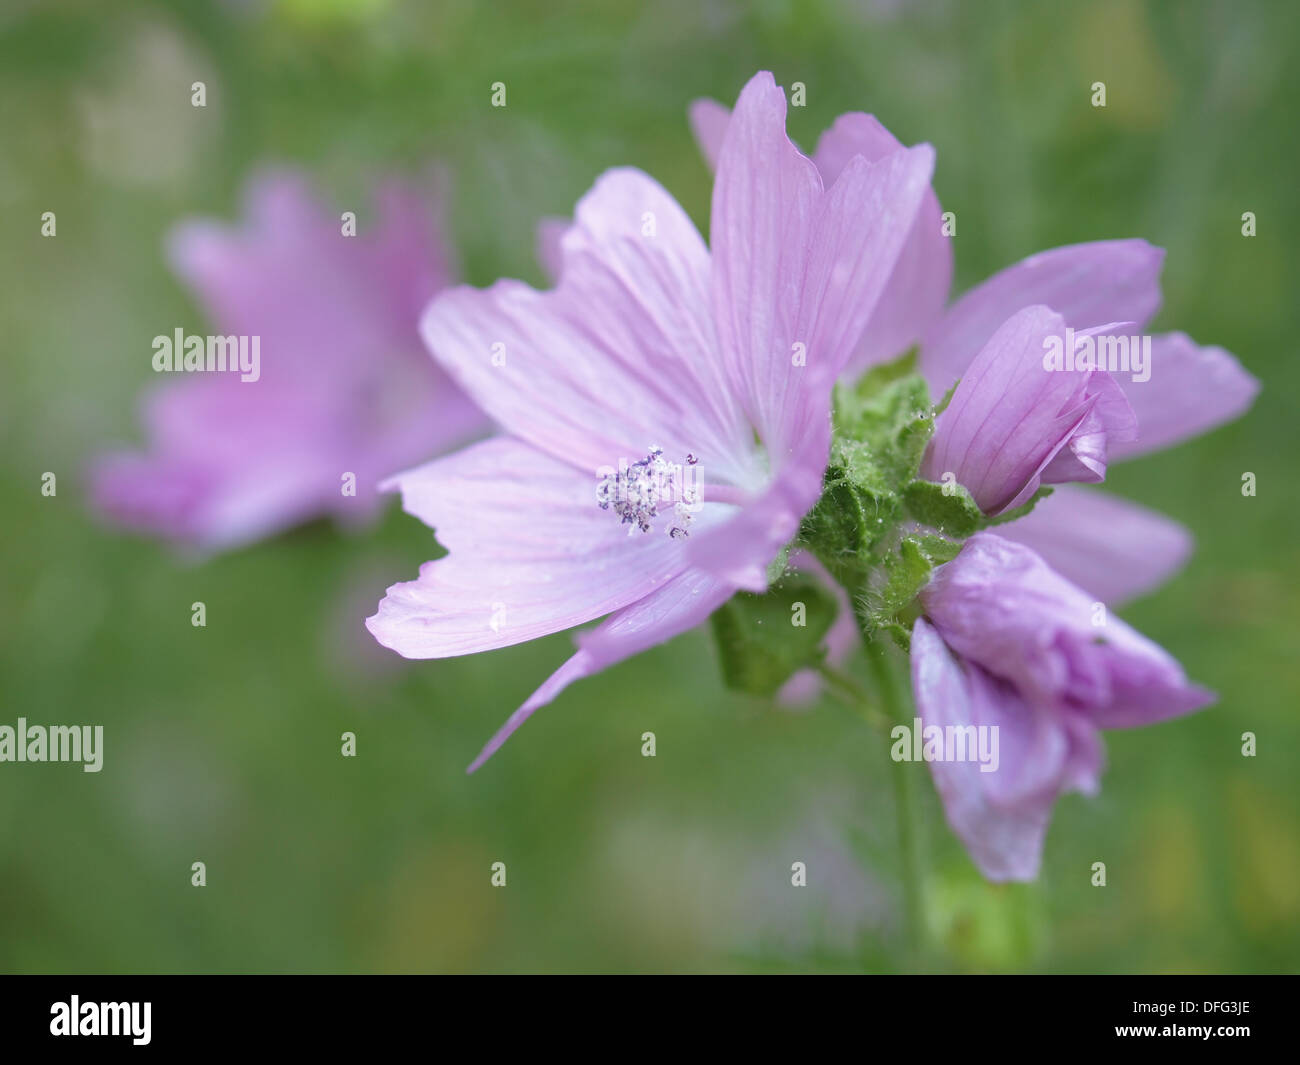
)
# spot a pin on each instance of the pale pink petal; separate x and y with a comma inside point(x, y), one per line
point(865, 220)
point(1000, 605)
point(853, 133)
point(1191, 390)
point(619, 357)
point(766, 199)
point(914, 298)
point(320, 301)
point(343, 384)
point(708, 120)
point(1109, 422)
point(1087, 284)
point(1003, 827)
point(1014, 424)
point(396, 243)
point(550, 235)
point(679, 605)
point(797, 273)
point(529, 553)
point(740, 549)
point(1108, 546)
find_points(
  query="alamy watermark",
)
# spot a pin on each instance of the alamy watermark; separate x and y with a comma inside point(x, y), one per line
point(946, 743)
point(75, 1017)
point(211, 354)
point(1114, 354)
point(57, 743)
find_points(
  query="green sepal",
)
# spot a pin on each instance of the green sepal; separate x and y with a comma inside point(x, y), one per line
point(882, 424)
point(760, 643)
point(881, 428)
point(948, 509)
point(846, 526)
point(899, 633)
point(938, 549)
point(894, 585)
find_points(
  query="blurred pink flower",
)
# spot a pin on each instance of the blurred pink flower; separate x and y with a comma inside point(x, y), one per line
point(345, 386)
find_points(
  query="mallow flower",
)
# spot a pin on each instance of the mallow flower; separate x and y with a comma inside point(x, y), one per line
point(666, 407)
point(1005, 642)
point(344, 396)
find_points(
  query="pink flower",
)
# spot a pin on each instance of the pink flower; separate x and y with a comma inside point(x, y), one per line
point(344, 387)
point(652, 355)
point(1007, 642)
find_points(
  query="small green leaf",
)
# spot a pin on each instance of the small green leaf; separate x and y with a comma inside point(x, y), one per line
point(900, 634)
point(949, 509)
point(763, 640)
point(888, 426)
point(894, 585)
point(942, 405)
point(846, 525)
point(939, 549)
point(882, 425)
point(907, 573)
point(887, 373)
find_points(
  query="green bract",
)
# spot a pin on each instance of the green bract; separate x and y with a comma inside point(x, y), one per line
point(764, 639)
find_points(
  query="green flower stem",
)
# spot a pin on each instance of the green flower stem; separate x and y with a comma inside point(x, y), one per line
point(882, 658)
point(850, 691)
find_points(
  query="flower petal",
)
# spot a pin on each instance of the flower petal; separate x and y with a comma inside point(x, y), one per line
point(1001, 606)
point(343, 383)
point(917, 290)
point(1110, 547)
point(680, 604)
point(1008, 425)
point(208, 506)
point(867, 218)
point(1191, 390)
point(1003, 833)
point(287, 276)
point(765, 201)
point(1087, 284)
point(529, 553)
point(550, 254)
point(738, 550)
point(708, 120)
point(797, 273)
point(619, 357)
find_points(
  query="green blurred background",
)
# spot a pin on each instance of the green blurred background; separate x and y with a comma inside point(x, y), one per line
point(222, 743)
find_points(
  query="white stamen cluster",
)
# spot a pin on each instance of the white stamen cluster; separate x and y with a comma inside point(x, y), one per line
point(637, 491)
